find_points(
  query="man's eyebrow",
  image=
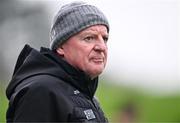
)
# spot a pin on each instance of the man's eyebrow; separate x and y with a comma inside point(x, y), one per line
point(94, 32)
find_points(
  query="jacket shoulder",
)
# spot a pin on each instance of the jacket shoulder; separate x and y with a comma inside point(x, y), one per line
point(42, 96)
point(48, 82)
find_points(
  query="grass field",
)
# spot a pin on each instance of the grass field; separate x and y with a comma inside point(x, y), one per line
point(116, 101)
point(3, 104)
point(119, 102)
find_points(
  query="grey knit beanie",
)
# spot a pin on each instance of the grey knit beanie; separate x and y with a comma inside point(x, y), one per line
point(73, 18)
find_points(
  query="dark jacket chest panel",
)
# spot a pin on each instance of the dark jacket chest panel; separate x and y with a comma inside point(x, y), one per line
point(85, 109)
point(61, 102)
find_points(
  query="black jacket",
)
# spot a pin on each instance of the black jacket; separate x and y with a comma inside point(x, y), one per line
point(45, 88)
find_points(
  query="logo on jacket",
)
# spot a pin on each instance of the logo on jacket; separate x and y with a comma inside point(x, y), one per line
point(76, 92)
point(89, 114)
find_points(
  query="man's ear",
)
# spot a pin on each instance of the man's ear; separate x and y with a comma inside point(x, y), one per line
point(60, 51)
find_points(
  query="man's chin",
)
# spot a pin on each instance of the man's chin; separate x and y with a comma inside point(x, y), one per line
point(95, 69)
point(96, 72)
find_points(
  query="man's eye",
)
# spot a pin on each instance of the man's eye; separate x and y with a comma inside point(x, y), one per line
point(105, 39)
point(89, 38)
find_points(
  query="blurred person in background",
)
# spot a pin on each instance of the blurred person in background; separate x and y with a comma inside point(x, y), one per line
point(58, 84)
point(128, 113)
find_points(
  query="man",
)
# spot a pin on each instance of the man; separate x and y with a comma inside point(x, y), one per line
point(58, 84)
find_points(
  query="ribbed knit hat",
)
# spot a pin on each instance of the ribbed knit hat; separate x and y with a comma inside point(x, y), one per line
point(73, 18)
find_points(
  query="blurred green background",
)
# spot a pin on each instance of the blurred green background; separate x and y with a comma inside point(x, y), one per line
point(122, 104)
point(3, 104)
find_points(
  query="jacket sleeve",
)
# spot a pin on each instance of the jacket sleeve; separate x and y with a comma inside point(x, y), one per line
point(35, 105)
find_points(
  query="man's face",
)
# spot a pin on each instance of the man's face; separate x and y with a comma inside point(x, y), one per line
point(87, 50)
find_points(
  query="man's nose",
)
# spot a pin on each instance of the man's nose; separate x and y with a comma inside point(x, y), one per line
point(100, 45)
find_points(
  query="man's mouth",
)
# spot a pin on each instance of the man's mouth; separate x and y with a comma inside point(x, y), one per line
point(97, 59)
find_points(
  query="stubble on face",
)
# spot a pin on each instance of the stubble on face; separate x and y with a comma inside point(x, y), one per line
point(87, 50)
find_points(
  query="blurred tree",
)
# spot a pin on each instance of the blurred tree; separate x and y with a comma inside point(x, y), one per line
point(20, 22)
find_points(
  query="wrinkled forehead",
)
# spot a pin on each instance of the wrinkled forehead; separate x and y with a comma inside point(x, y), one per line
point(95, 29)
